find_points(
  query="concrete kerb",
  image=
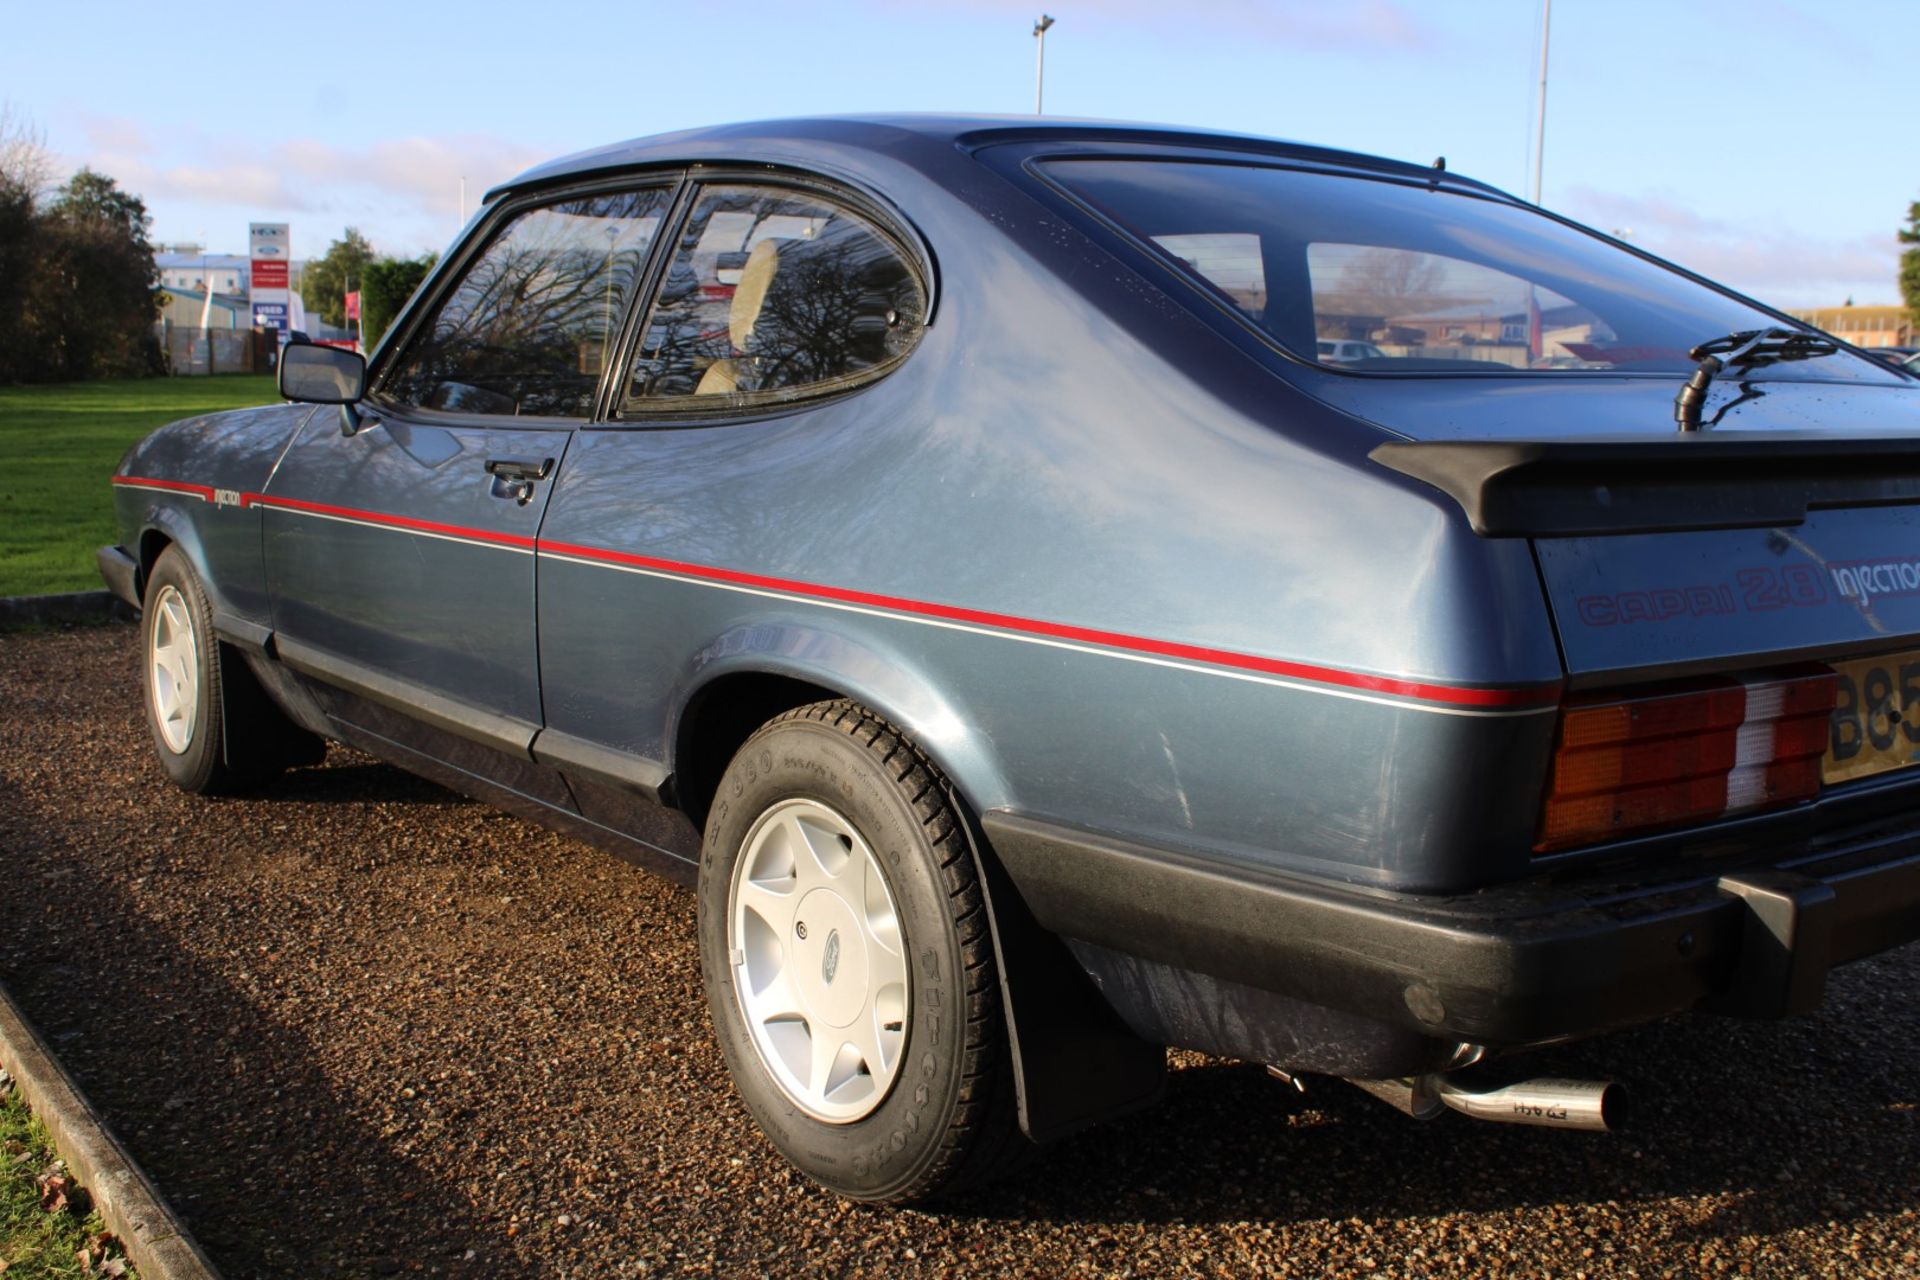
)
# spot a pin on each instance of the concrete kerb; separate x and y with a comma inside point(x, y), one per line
point(133, 1209)
point(73, 606)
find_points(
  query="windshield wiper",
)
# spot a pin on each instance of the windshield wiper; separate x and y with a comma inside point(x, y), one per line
point(1747, 349)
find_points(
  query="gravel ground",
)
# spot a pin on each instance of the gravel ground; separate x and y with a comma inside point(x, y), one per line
point(363, 1026)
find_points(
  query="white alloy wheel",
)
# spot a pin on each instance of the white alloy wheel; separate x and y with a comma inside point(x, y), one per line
point(819, 965)
point(173, 675)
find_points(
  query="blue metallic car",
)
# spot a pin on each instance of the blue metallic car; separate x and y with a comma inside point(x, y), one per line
point(1061, 591)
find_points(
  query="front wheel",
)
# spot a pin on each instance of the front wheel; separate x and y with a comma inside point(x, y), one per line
point(183, 679)
point(848, 964)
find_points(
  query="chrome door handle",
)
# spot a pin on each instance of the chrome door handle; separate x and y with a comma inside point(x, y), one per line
point(520, 468)
point(514, 477)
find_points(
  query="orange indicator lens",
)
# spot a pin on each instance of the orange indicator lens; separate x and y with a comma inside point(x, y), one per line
point(1668, 758)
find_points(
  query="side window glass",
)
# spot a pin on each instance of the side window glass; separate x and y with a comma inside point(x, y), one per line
point(531, 325)
point(774, 294)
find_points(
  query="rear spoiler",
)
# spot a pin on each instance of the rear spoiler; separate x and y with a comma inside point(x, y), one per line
point(1633, 484)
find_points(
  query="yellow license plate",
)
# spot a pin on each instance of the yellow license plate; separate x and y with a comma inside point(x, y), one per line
point(1876, 717)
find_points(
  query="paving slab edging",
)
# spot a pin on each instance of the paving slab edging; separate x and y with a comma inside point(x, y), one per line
point(70, 606)
point(133, 1209)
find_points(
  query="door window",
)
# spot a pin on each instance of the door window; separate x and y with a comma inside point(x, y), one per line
point(528, 330)
point(774, 294)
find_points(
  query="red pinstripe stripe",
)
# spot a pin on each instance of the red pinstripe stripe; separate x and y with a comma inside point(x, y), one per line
point(1421, 691)
point(171, 486)
point(1451, 695)
point(395, 522)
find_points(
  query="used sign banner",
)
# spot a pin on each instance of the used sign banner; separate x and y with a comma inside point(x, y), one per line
point(269, 248)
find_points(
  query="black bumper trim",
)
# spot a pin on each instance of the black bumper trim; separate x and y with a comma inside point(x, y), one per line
point(1786, 944)
point(1511, 965)
point(488, 728)
point(236, 630)
point(604, 765)
point(121, 573)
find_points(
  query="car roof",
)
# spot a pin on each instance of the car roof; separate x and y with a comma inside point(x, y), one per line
point(898, 137)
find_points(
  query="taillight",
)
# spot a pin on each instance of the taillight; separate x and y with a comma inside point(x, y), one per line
point(1624, 766)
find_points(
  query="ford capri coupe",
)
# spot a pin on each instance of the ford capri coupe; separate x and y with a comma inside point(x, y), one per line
point(1061, 591)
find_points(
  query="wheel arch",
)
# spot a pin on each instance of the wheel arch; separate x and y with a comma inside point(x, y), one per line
point(752, 674)
point(165, 526)
point(153, 541)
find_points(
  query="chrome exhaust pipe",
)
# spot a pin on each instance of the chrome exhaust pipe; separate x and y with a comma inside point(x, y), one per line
point(1596, 1106)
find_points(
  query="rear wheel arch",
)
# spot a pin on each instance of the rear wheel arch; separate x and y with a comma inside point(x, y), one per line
point(718, 718)
point(738, 694)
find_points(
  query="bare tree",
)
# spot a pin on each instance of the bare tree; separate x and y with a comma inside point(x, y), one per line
point(26, 167)
point(25, 171)
point(1385, 283)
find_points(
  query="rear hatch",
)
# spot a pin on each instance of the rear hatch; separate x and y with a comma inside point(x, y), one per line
point(1788, 535)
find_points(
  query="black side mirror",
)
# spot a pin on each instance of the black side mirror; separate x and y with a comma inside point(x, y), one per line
point(313, 374)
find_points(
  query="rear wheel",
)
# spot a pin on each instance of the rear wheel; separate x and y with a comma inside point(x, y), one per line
point(848, 964)
point(184, 680)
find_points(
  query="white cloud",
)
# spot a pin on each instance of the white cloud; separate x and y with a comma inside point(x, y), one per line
point(1783, 265)
point(405, 192)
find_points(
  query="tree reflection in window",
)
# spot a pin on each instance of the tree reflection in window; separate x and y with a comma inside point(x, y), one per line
point(775, 294)
point(530, 327)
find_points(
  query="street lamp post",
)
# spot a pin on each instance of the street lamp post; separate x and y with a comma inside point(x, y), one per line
point(1040, 60)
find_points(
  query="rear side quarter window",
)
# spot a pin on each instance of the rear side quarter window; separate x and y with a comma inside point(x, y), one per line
point(774, 294)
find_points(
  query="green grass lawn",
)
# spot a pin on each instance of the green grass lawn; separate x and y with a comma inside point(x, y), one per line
point(35, 1243)
point(61, 443)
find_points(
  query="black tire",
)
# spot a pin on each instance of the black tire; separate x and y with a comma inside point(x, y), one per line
point(201, 757)
point(948, 1121)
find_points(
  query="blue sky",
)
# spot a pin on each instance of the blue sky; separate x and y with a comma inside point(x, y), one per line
point(1757, 141)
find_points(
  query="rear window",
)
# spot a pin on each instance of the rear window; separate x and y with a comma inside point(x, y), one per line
point(1376, 276)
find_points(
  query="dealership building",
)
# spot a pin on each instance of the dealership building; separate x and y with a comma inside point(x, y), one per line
point(1863, 326)
point(184, 279)
point(187, 269)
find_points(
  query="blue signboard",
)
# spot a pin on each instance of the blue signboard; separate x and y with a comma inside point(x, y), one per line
point(270, 315)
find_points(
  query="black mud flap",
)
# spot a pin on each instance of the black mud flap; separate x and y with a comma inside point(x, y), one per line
point(247, 713)
point(1075, 1063)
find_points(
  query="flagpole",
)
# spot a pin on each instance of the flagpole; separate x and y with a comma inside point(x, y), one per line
point(1540, 120)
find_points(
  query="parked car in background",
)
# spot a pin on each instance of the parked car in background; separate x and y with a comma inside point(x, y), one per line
point(951, 545)
point(1347, 352)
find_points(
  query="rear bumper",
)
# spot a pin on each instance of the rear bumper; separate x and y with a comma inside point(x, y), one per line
point(1513, 965)
point(121, 573)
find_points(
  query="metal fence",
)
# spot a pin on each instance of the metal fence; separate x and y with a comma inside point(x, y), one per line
point(191, 351)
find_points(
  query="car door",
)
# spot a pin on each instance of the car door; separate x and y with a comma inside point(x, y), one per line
point(727, 452)
point(399, 538)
